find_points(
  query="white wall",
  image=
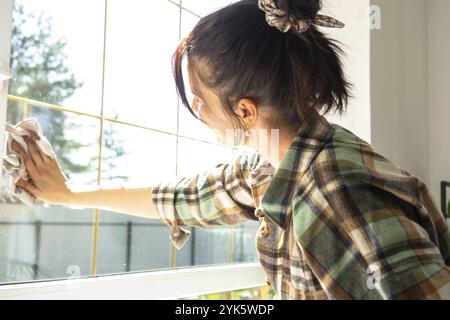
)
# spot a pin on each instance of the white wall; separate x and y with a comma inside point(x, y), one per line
point(438, 90)
point(356, 39)
point(399, 85)
point(401, 74)
point(410, 73)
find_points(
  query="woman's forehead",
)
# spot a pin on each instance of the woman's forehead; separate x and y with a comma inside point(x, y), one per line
point(192, 81)
point(196, 86)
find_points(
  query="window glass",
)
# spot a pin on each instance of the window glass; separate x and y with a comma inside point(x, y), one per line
point(221, 244)
point(129, 243)
point(202, 8)
point(190, 126)
point(139, 88)
point(97, 76)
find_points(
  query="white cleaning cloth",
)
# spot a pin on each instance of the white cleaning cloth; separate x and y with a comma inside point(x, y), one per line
point(12, 161)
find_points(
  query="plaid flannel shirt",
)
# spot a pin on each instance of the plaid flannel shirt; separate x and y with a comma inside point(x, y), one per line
point(343, 221)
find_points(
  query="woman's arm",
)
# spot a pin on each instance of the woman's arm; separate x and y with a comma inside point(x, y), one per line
point(123, 199)
point(226, 194)
point(49, 184)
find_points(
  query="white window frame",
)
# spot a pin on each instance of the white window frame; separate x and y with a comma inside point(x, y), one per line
point(157, 285)
point(6, 11)
point(166, 284)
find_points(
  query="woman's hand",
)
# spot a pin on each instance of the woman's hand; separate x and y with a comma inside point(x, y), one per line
point(48, 182)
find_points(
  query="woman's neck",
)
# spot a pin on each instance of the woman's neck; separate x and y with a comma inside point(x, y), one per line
point(274, 143)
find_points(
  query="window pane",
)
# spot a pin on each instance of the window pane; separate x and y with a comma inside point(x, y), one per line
point(150, 247)
point(59, 61)
point(48, 242)
point(139, 86)
point(207, 246)
point(192, 156)
point(50, 64)
point(190, 126)
point(55, 58)
point(202, 8)
point(221, 244)
point(244, 247)
point(128, 243)
point(135, 155)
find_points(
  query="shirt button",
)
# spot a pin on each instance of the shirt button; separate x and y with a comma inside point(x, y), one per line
point(264, 230)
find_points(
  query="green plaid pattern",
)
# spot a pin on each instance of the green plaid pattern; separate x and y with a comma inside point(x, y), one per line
point(344, 222)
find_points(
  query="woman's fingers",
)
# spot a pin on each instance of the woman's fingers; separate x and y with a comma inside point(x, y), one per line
point(48, 182)
point(29, 164)
point(34, 151)
point(29, 187)
point(45, 157)
point(18, 148)
point(34, 136)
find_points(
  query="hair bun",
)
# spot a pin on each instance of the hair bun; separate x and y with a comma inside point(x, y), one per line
point(301, 9)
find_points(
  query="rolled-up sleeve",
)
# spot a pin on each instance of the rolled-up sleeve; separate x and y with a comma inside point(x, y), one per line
point(222, 195)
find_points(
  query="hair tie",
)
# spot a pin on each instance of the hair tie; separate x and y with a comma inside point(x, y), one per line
point(279, 18)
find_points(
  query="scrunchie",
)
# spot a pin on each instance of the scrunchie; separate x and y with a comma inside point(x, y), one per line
point(279, 18)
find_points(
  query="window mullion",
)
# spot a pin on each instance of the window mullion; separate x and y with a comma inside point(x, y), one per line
point(6, 10)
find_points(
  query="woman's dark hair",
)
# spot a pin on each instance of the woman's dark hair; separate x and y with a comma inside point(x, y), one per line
point(237, 54)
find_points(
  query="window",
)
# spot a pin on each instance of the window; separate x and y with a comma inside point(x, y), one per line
point(97, 76)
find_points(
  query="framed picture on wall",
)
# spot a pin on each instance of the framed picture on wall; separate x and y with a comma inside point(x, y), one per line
point(445, 197)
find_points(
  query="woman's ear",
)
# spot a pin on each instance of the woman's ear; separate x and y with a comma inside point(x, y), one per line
point(248, 111)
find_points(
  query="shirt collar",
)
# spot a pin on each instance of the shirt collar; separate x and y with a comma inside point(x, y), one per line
point(308, 141)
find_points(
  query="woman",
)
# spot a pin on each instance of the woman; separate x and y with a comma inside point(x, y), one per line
point(337, 219)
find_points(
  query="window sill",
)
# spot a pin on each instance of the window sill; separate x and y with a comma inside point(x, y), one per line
point(167, 284)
